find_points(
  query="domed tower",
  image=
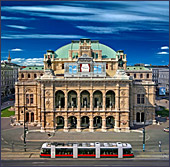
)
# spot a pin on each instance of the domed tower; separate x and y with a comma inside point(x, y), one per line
point(9, 58)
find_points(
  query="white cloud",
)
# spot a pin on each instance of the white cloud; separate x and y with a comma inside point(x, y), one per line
point(104, 30)
point(18, 27)
point(164, 47)
point(26, 62)
point(15, 18)
point(132, 12)
point(47, 9)
point(41, 36)
point(16, 50)
point(162, 53)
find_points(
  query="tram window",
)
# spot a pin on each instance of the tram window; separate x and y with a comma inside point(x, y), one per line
point(107, 151)
point(127, 151)
point(86, 151)
point(45, 151)
point(64, 151)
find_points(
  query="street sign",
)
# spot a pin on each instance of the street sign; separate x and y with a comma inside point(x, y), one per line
point(162, 91)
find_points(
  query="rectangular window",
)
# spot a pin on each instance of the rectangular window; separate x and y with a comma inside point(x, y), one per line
point(27, 98)
point(31, 98)
point(62, 66)
point(106, 66)
point(96, 55)
point(140, 98)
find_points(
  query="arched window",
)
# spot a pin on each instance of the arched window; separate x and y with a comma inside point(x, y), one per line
point(142, 117)
point(147, 75)
point(134, 75)
point(22, 75)
point(141, 75)
point(35, 75)
point(29, 76)
point(32, 117)
point(27, 117)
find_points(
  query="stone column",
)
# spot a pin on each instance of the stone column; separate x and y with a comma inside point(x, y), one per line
point(78, 125)
point(29, 117)
point(117, 97)
point(78, 98)
point(65, 125)
point(104, 101)
point(66, 101)
point(43, 108)
point(104, 125)
point(116, 127)
point(91, 128)
point(91, 102)
point(43, 122)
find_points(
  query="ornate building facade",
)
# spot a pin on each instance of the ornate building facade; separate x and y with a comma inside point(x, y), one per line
point(84, 86)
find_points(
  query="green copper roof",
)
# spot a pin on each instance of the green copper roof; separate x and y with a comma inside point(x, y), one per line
point(34, 68)
point(63, 52)
point(136, 68)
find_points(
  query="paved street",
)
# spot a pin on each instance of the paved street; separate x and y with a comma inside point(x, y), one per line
point(154, 134)
point(87, 162)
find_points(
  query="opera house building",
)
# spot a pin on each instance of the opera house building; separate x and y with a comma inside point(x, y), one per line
point(83, 86)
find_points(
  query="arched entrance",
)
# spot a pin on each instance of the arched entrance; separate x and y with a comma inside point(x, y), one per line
point(97, 99)
point(110, 122)
point(72, 122)
point(97, 122)
point(32, 117)
point(59, 122)
point(142, 117)
point(72, 99)
point(27, 117)
point(85, 122)
point(59, 99)
point(137, 117)
point(85, 99)
point(110, 99)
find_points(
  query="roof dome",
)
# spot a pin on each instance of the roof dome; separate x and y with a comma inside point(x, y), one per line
point(63, 51)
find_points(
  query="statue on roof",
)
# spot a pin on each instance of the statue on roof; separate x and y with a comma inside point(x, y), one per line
point(49, 62)
point(120, 63)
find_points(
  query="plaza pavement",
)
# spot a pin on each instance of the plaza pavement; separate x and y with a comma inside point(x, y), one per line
point(35, 139)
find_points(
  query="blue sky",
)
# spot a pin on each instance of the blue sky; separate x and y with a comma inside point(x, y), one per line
point(140, 28)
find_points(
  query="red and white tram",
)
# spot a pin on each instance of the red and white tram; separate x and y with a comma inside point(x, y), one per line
point(86, 150)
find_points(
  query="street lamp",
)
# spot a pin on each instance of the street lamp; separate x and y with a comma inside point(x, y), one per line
point(24, 125)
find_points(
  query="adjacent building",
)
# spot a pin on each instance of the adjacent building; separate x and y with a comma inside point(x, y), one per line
point(84, 85)
point(160, 75)
point(9, 75)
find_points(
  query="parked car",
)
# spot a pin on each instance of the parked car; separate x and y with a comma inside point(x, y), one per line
point(166, 129)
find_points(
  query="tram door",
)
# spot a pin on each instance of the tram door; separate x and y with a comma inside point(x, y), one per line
point(120, 150)
point(97, 144)
point(75, 152)
point(52, 151)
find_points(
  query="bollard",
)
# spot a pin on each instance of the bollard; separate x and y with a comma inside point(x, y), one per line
point(12, 146)
point(160, 146)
